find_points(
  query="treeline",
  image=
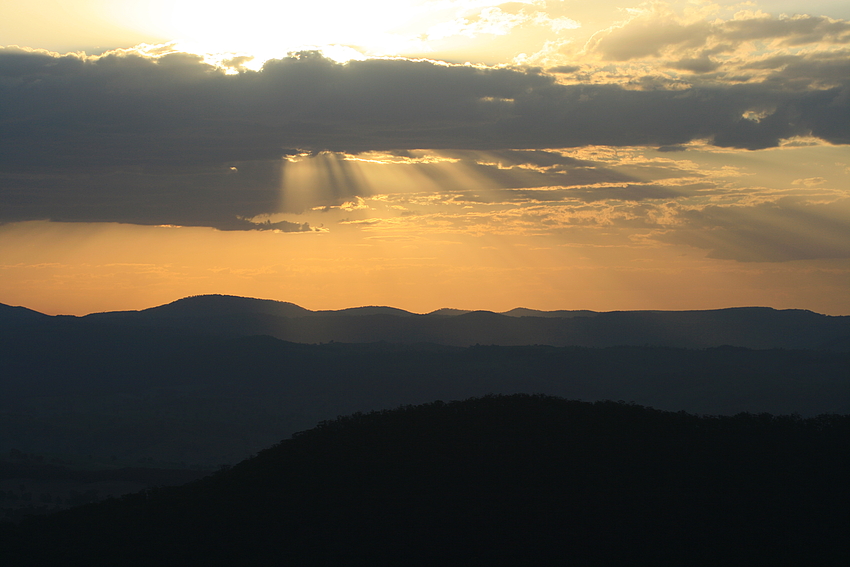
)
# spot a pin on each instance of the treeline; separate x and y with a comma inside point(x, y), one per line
point(496, 480)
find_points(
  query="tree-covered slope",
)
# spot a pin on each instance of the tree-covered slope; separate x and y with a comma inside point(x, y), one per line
point(499, 480)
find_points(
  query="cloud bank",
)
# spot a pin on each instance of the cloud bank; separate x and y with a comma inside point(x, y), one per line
point(173, 140)
point(125, 109)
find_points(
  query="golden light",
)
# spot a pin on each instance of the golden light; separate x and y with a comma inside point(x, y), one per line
point(341, 30)
point(273, 29)
point(308, 181)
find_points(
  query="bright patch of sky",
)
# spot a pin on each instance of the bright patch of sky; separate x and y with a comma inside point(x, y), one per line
point(481, 31)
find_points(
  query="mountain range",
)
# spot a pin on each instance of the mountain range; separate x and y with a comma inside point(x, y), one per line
point(209, 380)
point(747, 327)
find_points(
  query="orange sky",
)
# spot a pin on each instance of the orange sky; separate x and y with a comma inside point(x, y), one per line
point(111, 267)
point(622, 156)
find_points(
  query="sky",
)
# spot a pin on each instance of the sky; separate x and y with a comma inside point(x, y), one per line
point(423, 154)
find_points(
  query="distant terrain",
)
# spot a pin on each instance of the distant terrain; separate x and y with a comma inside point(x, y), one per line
point(210, 380)
point(748, 327)
point(498, 480)
point(31, 486)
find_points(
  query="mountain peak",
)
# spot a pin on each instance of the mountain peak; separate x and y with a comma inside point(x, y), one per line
point(197, 305)
point(19, 314)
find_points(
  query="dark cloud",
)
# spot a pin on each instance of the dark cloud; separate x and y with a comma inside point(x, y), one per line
point(540, 158)
point(653, 34)
point(592, 194)
point(558, 116)
point(798, 30)
point(701, 64)
point(564, 69)
point(802, 72)
point(511, 169)
point(218, 197)
point(282, 226)
point(636, 192)
point(646, 37)
point(152, 141)
point(768, 232)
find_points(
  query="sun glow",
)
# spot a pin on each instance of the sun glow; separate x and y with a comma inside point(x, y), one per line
point(265, 30)
point(258, 31)
point(119, 149)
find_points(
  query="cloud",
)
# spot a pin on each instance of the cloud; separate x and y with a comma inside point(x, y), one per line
point(778, 231)
point(787, 30)
point(799, 52)
point(803, 72)
point(700, 64)
point(564, 69)
point(279, 226)
point(500, 20)
point(645, 37)
point(809, 182)
point(626, 192)
point(659, 31)
point(153, 140)
point(132, 110)
point(217, 197)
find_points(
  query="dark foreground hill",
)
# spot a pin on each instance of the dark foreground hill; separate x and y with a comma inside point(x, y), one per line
point(519, 480)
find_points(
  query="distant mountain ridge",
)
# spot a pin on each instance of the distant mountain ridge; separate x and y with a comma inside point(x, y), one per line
point(207, 380)
point(747, 327)
point(198, 304)
point(13, 314)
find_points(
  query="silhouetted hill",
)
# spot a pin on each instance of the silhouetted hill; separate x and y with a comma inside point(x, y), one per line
point(218, 305)
point(368, 310)
point(523, 312)
point(519, 480)
point(17, 315)
point(447, 312)
point(203, 382)
point(749, 327)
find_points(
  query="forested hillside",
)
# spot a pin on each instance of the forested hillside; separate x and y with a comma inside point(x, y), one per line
point(499, 480)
